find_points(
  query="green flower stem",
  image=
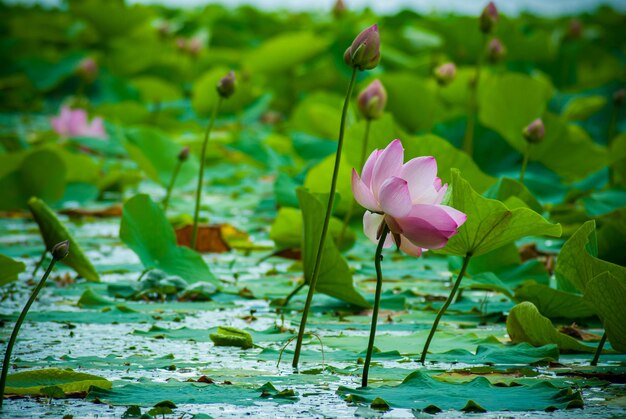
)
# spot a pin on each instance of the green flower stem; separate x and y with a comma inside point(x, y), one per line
point(348, 216)
point(596, 357)
point(292, 293)
point(16, 329)
point(468, 138)
point(524, 163)
point(610, 133)
point(379, 287)
point(443, 309)
point(329, 208)
point(38, 264)
point(168, 194)
point(207, 135)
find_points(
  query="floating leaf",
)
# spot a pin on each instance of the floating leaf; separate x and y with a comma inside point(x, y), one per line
point(526, 324)
point(420, 391)
point(231, 336)
point(10, 269)
point(147, 232)
point(53, 232)
point(32, 382)
point(334, 278)
point(490, 224)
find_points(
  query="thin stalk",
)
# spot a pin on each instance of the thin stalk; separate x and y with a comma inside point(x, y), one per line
point(292, 293)
point(379, 287)
point(43, 257)
point(596, 357)
point(207, 135)
point(443, 309)
point(468, 138)
point(168, 193)
point(524, 163)
point(348, 216)
point(329, 208)
point(16, 329)
point(610, 133)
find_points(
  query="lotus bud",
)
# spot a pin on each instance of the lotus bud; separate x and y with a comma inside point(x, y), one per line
point(181, 43)
point(372, 100)
point(87, 69)
point(495, 50)
point(618, 97)
point(534, 132)
point(339, 9)
point(226, 85)
point(445, 73)
point(364, 53)
point(488, 18)
point(184, 154)
point(194, 45)
point(61, 250)
point(575, 29)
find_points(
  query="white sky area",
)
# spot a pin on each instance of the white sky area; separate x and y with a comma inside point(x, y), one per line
point(467, 7)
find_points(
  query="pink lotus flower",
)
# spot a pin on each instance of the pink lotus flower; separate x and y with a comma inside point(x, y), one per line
point(74, 123)
point(407, 197)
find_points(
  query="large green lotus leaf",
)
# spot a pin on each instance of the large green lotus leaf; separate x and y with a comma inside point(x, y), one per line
point(40, 173)
point(318, 180)
point(335, 278)
point(509, 102)
point(490, 224)
point(583, 107)
point(420, 391)
point(150, 393)
point(526, 324)
point(505, 188)
point(9, 269)
point(111, 18)
point(554, 303)
point(413, 101)
point(147, 232)
point(47, 75)
point(522, 353)
point(568, 150)
point(157, 156)
point(612, 237)
point(53, 232)
point(284, 52)
point(318, 114)
point(607, 294)
point(155, 89)
point(578, 264)
point(604, 202)
point(204, 94)
point(287, 230)
point(33, 381)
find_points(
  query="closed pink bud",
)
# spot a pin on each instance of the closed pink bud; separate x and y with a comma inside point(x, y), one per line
point(372, 100)
point(226, 85)
point(575, 29)
point(339, 9)
point(364, 53)
point(194, 45)
point(488, 18)
point(87, 69)
point(184, 154)
point(535, 131)
point(495, 50)
point(445, 73)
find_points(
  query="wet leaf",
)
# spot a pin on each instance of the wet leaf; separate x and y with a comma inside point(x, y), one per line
point(231, 336)
point(607, 294)
point(420, 391)
point(209, 238)
point(32, 382)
